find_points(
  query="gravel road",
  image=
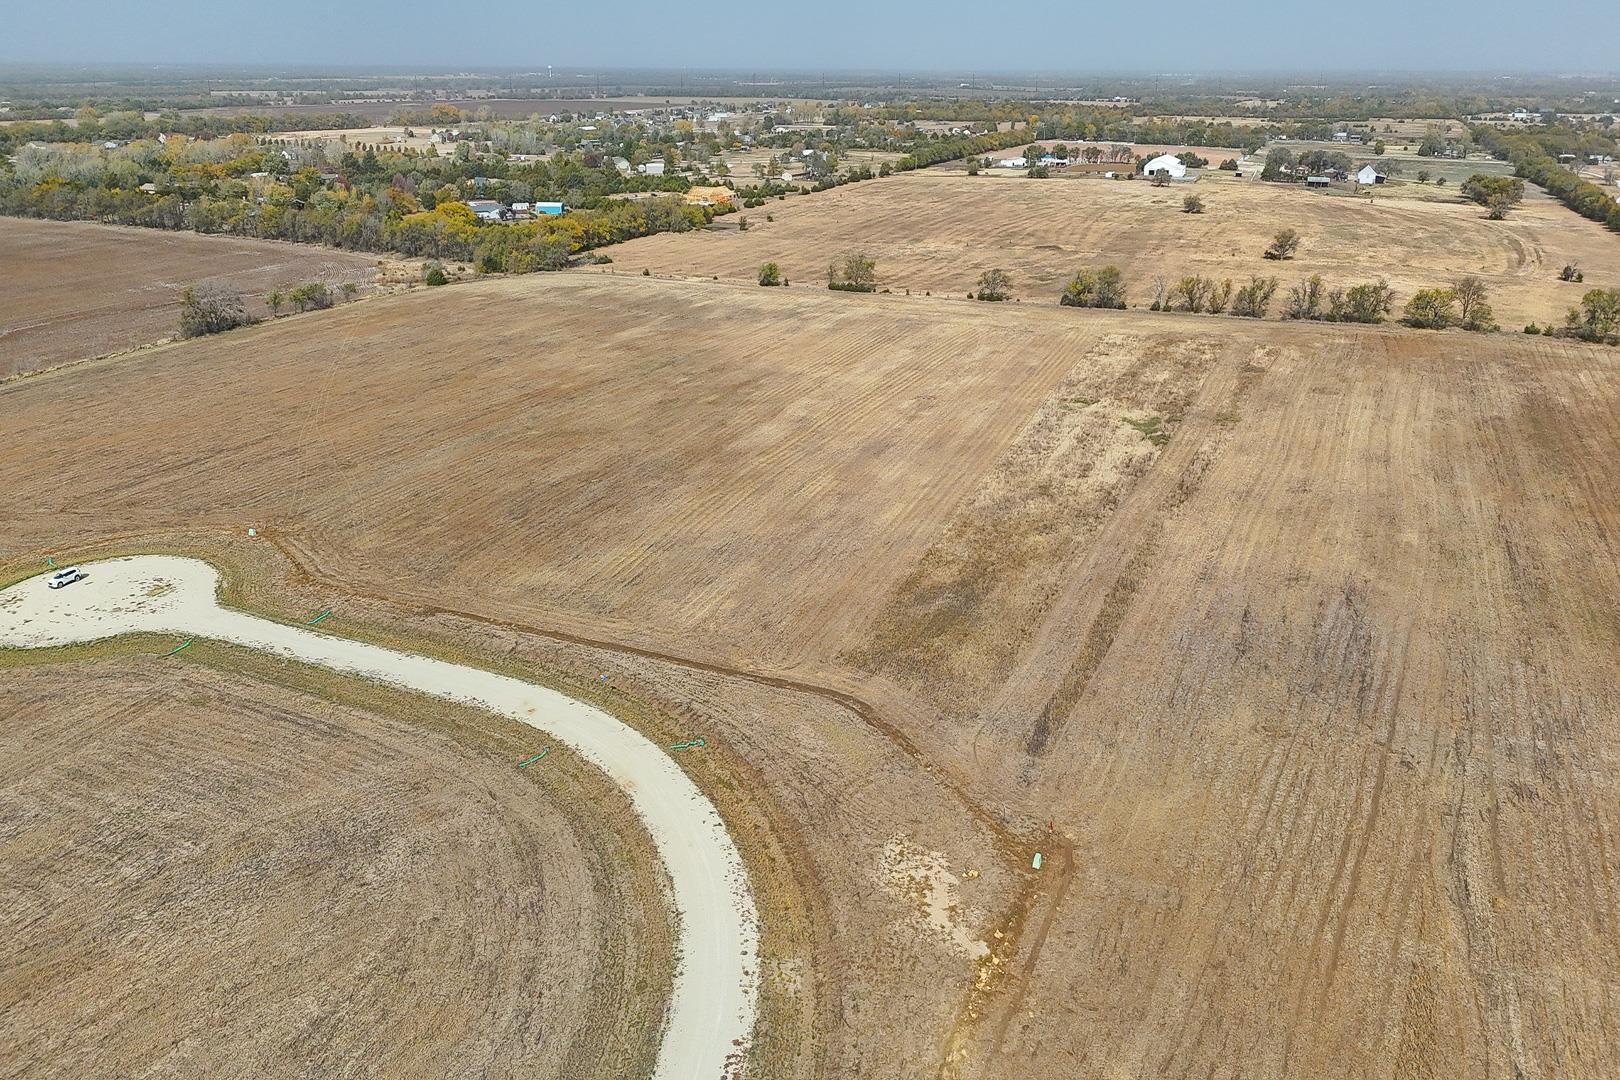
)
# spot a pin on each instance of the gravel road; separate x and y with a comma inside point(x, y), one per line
point(712, 1006)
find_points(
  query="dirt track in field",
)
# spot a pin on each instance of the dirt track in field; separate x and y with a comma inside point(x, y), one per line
point(937, 232)
point(216, 868)
point(1304, 637)
point(81, 289)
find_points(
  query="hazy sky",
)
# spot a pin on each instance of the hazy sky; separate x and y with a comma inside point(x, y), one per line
point(1577, 36)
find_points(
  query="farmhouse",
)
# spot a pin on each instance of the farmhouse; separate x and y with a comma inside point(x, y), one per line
point(1166, 165)
point(1369, 175)
point(488, 209)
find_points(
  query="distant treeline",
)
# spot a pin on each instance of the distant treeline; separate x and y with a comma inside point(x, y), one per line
point(128, 126)
point(1112, 126)
point(954, 148)
point(369, 201)
point(1533, 155)
point(363, 222)
point(1066, 120)
point(381, 198)
point(1324, 109)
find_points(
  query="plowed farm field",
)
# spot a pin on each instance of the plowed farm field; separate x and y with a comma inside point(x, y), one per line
point(80, 289)
point(937, 232)
point(764, 463)
point(1292, 648)
point(1322, 707)
point(211, 870)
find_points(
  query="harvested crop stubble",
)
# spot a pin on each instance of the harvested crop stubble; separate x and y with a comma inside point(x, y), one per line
point(1300, 638)
point(239, 866)
point(90, 289)
point(934, 232)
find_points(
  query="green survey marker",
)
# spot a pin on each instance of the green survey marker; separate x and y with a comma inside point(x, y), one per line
point(537, 757)
point(690, 744)
point(319, 617)
point(183, 645)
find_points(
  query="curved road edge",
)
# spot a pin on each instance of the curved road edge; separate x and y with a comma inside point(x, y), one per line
point(713, 1000)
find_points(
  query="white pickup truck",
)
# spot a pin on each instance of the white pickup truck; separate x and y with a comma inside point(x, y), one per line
point(65, 576)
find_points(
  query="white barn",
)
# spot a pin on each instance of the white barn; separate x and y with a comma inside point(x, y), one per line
point(1369, 175)
point(1167, 165)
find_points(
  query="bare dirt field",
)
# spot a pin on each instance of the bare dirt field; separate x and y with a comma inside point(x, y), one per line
point(223, 865)
point(1322, 704)
point(782, 462)
point(85, 289)
point(1292, 647)
point(863, 857)
point(939, 232)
